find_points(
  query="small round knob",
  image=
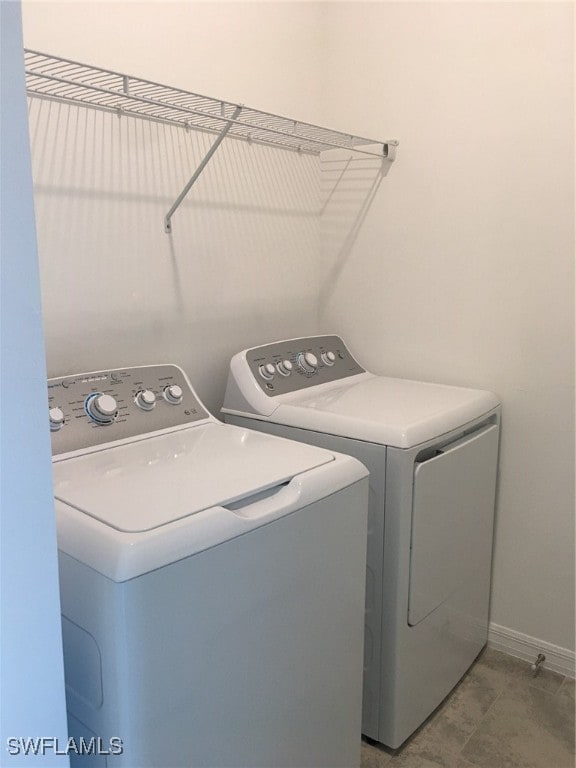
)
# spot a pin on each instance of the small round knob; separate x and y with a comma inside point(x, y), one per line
point(101, 408)
point(307, 361)
point(173, 394)
point(145, 399)
point(328, 358)
point(284, 367)
point(267, 371)
point(56, 416)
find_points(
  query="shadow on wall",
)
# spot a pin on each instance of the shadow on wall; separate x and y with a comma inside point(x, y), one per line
point(241, 267)
point(348, 187)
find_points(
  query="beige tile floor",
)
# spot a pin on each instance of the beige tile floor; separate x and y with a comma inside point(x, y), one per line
point(499, 716)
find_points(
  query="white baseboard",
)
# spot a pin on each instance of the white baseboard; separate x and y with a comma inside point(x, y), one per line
point(525, 647)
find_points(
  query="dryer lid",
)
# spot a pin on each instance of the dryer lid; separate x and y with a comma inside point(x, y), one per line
point(149, 483)
point(396, 412)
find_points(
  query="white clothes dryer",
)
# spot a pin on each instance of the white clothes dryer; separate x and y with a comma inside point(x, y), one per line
point(212, 581)
point(432, 455)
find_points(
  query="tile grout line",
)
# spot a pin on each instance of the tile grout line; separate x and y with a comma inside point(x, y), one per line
point(478, 724)
point(504, 679)
point(498, 696)
point(561, 685)
point(550, 693)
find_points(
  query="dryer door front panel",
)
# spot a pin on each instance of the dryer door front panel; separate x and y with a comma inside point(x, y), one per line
point(452, 521)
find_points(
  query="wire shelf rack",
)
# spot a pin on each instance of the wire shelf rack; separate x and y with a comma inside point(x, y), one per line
point(63, 80)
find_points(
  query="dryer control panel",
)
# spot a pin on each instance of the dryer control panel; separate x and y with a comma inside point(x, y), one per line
point(293, 365)
point(90, 409)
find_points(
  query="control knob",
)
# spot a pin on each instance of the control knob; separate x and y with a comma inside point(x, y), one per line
point(307, 361)
point(145, 399)
point(284, 367)
point(267, 371)
point(101, 408)
point(56, 416)
point(328, 358)
point(173, 394)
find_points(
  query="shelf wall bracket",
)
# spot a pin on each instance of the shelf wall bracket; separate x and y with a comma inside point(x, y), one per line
point(198, 171)
point(389, 155)
point(390, 150)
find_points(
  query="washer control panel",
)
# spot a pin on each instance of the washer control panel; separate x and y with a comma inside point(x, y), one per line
point(90, 409)
point(289, 366)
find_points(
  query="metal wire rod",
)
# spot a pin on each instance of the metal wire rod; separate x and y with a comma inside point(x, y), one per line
point(197, 172)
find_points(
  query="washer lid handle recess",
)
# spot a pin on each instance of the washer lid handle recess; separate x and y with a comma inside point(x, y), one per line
point(125, 555)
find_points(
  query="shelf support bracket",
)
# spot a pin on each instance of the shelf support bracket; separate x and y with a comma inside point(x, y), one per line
point(198, 171)
point(390, 150)
point(389, 155)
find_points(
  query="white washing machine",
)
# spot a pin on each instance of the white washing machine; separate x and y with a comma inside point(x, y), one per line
point(212, 582)
point(432, 455)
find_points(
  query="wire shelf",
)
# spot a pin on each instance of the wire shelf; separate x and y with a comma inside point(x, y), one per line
point(58, 79)
point(70, 82)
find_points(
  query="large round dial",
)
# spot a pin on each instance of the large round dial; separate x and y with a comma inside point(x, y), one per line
point(173, 394)
point(101, 408)
point(145, 399)
point(307, 361)
point(56, 416)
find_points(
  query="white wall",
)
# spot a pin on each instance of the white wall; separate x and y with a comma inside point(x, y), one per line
point(463, 270)
point(456, 267)
point(32, 694)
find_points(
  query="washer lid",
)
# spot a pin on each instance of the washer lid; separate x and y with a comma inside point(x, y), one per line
point(396, 412)
point(152, 482)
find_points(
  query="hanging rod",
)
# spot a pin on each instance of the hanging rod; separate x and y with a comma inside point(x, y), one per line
point(71, 82)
